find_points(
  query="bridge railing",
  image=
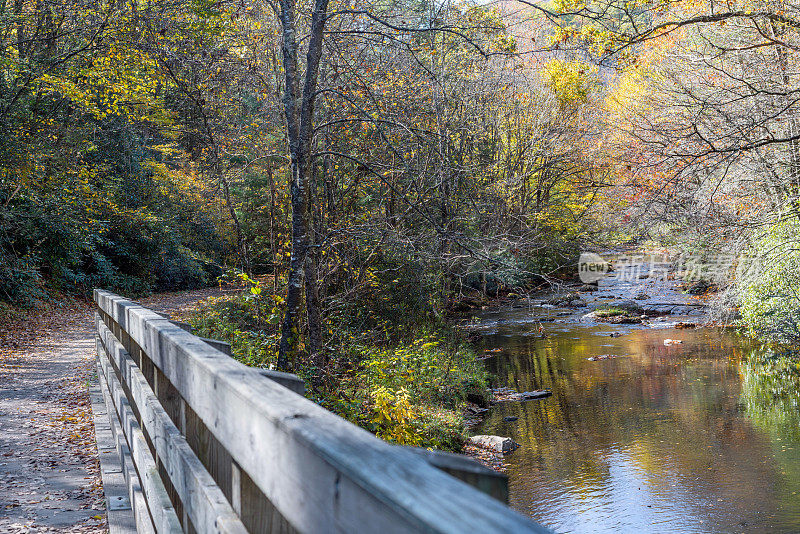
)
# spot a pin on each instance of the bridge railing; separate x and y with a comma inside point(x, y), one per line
point(211, 445)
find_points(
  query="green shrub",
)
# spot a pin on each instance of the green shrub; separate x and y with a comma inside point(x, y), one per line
point(441, 429)
point(248, 322)
point(436, 375)
point(395, 295)
point(20, 280)
point(768, 282)
point(433, 372)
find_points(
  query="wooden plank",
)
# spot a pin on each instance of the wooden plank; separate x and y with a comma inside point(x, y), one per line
point(203, 501)
point(138, 501)
point(236, 488)
point(221, 346)
point(321, 473)
point(258, 513)
point(161, 510)
point(210, 451)
point(120, 520)
point(287, 380)
point(170, 401)
point(183, 326)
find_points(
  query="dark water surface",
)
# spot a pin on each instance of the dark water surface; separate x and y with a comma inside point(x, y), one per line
point(658, 439)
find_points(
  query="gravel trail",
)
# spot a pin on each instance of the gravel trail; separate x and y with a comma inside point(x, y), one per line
point(49, 472)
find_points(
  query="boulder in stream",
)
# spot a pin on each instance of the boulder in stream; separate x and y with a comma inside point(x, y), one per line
point(566, 299)
point(506, 394)
point(497, 443)
point(620, 312)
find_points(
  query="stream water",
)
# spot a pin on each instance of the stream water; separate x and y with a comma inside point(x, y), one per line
point(650, 437)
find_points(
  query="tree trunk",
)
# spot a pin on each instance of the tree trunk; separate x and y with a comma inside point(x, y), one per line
point(313, 312)
point(311, 274)
point(273, 246)
point(290, 333)
point(299, 110)
point(244, 254)
point(19, 15)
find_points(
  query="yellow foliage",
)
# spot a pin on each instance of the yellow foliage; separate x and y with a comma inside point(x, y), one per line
point(570, 81)
point(393, 416)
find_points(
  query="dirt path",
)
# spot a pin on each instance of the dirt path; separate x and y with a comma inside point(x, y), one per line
point(48, 458)
point(180, 302)
point(49, 473)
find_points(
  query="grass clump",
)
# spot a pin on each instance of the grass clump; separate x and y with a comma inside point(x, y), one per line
point(610, 311)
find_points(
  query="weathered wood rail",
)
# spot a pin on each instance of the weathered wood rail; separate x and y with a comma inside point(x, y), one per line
point(211, 445)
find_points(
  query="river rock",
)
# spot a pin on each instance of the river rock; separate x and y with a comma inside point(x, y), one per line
point(474, 337)
point(630, 306)
point(536, 394)
point(479, 399)
point(602, 357)
point(566, 299)
point(698, 287)
point(622, 319)
point(506, 394)
point(498, 443)
point(476, 410)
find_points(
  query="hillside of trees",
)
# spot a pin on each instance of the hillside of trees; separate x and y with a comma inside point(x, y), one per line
point(364, 169)
point(147, 146)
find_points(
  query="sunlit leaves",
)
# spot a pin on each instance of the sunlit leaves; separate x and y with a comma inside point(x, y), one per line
point(571, 81)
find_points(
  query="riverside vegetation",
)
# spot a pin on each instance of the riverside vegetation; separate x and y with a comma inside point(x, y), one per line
point(400, 372)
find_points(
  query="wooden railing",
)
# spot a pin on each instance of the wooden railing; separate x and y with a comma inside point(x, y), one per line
point(211, 445)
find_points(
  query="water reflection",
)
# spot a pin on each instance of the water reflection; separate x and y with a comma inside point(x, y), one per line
point(657, 439)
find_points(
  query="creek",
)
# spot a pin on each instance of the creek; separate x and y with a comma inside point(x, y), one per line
point(639, 436)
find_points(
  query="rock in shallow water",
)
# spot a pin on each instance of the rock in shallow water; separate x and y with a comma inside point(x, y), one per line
point(498, 443)
point(505, 394)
